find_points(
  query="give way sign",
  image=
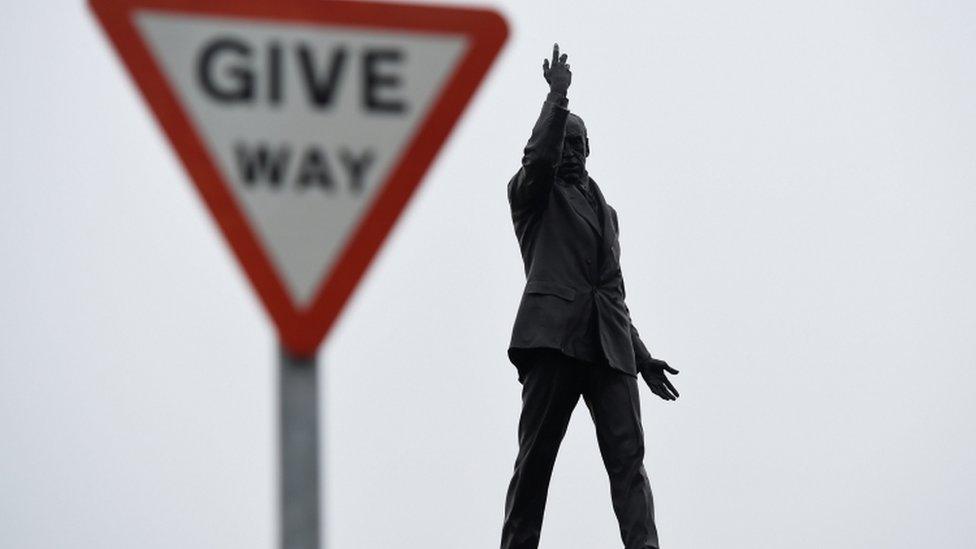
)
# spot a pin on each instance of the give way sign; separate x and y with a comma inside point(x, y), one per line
point(306, 125)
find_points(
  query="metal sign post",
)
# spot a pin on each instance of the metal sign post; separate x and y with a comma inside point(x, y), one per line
point(298, 451)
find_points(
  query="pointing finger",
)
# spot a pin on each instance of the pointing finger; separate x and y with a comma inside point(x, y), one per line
point(555, 53)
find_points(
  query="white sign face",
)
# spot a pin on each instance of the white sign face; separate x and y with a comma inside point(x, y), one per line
point(305, 121)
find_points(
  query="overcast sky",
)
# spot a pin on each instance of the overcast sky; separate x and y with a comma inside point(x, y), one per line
point(796, 184)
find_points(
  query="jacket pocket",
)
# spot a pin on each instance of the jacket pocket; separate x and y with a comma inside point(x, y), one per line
point(550, 288)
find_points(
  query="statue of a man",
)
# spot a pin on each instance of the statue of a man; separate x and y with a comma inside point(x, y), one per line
point(573, 335)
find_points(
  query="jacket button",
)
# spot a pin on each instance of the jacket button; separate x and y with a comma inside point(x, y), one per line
point(588, 261)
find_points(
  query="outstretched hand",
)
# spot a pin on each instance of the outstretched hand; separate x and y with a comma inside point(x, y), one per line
point(557, 74)
point(659, 384)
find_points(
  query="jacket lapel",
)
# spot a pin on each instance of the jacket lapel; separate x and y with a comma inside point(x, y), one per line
point(581, 206)
point(607, 229)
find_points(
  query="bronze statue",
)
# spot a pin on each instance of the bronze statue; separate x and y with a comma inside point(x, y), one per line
point(573, 335)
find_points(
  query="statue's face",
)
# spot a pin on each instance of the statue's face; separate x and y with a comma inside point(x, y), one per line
point(576, 146)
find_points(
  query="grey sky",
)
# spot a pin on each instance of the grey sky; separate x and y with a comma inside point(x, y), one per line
point(796, 184)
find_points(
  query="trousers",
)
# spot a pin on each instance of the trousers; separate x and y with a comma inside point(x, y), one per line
point(551, 387)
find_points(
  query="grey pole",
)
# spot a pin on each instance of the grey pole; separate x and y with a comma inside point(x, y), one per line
point(298, 459)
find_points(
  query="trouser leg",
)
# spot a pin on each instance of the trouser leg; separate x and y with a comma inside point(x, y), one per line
point(614, 405)
point(550, 391)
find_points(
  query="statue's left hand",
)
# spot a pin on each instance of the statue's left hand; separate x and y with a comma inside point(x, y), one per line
point(657, 381)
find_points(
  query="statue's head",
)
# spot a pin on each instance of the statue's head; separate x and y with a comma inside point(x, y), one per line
point(576, 147)
point(576, 139)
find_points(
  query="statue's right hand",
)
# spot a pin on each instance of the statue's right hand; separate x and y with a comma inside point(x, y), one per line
point(557, 74)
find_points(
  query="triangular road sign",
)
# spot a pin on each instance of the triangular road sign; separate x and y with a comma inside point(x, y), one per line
point(306, 125)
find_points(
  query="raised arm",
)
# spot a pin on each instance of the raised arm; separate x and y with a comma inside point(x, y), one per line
point(544, 149)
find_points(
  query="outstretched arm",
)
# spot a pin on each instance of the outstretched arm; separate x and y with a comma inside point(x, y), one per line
point(650, 368)
point(544, 149)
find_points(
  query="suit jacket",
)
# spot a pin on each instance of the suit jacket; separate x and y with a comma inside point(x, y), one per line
point(561, 239)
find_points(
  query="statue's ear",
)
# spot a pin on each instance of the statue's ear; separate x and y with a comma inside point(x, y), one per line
point(586, 141)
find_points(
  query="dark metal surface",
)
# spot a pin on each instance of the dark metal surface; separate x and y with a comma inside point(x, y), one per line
point(298, 458)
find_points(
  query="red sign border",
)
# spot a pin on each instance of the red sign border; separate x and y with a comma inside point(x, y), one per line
point(302, 330)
